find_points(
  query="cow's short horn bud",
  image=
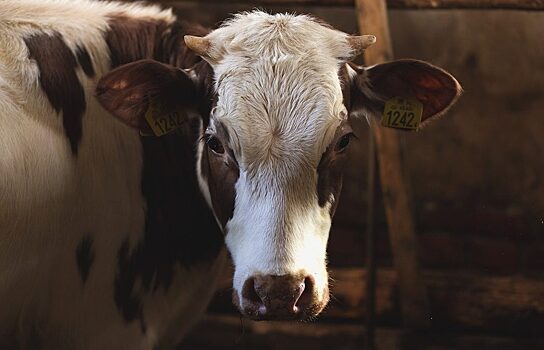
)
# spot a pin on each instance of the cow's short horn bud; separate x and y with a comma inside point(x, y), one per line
point(199, 45)
point(360, 43)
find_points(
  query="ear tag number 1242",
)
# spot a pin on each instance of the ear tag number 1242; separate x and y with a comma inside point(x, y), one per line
point(163, 122)
point(402, 113)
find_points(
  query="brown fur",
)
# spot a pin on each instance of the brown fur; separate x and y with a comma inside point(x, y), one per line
point(180, 228)
point(330, 170)
point(58, 79)
point(131, 39)
point(84, 60)
point(221, 173)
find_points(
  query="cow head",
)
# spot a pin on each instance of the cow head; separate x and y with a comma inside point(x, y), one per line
point(274, 140)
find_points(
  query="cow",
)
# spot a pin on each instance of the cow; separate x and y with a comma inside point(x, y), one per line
point(137, 152)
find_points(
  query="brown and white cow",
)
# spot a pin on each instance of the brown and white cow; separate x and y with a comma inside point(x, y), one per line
point(113, 240)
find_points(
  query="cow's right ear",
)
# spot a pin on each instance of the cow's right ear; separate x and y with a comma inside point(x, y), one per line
point(128, 91)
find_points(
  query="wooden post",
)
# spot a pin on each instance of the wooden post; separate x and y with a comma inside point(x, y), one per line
point(372, 18)
point(370, 300)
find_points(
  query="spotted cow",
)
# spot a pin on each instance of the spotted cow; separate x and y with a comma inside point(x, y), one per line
point(113, 238)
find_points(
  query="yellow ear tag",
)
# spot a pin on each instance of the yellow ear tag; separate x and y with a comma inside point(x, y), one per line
point(402, 113)
point(161, 121)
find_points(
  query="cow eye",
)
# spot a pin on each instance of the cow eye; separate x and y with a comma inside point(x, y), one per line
point(343, 142)
point(214, 144)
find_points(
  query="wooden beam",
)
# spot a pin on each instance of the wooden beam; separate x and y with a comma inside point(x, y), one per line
point(372, 18)
point(525, 5)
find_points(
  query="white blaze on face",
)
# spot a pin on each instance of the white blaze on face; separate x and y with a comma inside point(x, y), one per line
point(280, 99)
point(278, 229)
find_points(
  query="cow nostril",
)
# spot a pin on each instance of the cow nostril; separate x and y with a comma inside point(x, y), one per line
point(298, 292)
point(249, 294)
point(306, 295)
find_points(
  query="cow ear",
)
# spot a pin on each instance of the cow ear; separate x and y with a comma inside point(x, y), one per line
point(128, 91)
point(435, 88)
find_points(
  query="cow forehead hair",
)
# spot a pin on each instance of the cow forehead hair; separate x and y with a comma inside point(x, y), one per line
point(285, 112)
point(279, 96)
point(259, 34)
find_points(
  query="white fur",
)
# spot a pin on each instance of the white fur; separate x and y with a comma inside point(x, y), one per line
point(280, 98)
point(50, 199)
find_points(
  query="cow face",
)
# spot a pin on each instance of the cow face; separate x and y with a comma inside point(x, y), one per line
point(273, 147)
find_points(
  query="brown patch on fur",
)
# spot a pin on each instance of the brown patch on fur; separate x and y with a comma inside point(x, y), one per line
point(58, 79)
point(221, 172)
point(330, 170)
point(130, 39)
point(180, 228)
point(172, 47)
point(85, 61)
point(345, 84)
point(207, 98)
point(357, 99)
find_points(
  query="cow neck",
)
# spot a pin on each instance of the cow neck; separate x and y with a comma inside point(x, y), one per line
point(180, 229)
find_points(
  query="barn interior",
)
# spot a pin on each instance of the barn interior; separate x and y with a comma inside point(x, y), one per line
point(474, 184)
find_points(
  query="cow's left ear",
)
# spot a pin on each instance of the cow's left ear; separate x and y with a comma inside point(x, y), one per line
point(435, 88)
point(128, 91)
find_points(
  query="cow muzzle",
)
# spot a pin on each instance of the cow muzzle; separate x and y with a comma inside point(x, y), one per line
point(269, 297)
